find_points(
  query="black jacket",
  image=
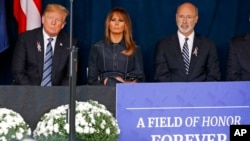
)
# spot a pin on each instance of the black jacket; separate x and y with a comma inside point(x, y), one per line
point(106, 60)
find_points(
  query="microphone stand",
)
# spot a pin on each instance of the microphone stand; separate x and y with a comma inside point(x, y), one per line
point(72, 80)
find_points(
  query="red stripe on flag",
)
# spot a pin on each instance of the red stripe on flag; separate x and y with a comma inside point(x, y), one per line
point(20, 16)
point(38, 4)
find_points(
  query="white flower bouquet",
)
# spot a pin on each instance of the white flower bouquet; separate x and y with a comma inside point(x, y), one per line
point(12, 126)
point(93, 122)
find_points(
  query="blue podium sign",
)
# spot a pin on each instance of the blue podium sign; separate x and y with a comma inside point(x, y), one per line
point(197, 111)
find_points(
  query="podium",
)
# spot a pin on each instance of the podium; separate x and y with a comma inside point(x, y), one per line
point(194, 111)
point(147, 111)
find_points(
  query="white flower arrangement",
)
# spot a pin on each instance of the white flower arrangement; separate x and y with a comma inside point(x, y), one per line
point(93, 122)
point(12, 126)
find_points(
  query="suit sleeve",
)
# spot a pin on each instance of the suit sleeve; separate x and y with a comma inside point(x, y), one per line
point(233, 68)
point(19, 63)
point(92, 67)
point(161, 66)
point(138, 71)
point(65, 80)
point(213, 69)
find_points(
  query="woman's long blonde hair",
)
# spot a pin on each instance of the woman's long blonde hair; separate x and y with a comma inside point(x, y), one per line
point(127, 34)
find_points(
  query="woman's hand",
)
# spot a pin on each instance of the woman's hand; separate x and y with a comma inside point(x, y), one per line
point(105, 81)
point(118, 78)
point(123, 81)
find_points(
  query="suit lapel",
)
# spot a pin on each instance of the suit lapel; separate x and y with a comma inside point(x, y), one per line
point(40, 52)
point(178, 54)
point(58, 53)
point(177, 50)
point(194, 54)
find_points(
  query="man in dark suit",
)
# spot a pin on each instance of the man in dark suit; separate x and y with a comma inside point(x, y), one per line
point(30, 51)
point(238, 65)
point(186, 56)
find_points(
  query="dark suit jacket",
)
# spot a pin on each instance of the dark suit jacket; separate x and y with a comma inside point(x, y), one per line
point(28, 59)
point(238, 66)
point(169, 64)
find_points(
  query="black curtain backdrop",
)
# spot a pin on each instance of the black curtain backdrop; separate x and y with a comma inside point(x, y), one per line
point(152, 20)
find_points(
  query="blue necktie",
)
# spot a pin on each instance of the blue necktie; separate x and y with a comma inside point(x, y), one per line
point(46, 81)
point(185, 54)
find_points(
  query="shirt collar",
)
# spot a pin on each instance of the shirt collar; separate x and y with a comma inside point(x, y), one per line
point(181, 36)
point(122, 42)
point(46, 36)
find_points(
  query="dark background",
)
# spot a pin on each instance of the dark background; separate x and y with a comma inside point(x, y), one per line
point(152, 20)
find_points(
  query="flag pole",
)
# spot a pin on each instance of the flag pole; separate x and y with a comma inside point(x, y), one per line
point(72, 80)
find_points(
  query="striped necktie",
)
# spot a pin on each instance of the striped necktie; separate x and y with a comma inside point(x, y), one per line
point(47, 67)
point(185, 54)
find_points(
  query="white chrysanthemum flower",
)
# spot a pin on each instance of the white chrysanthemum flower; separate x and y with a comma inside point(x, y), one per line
point(19, 136)
point(12, 125)
point(91, 119)
point(79, 129)
point(56, 128)
point(91, 130)
point(3, 139)
point(86, 130)
point(107, 131)
point(66, 127)
point(103, 124)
